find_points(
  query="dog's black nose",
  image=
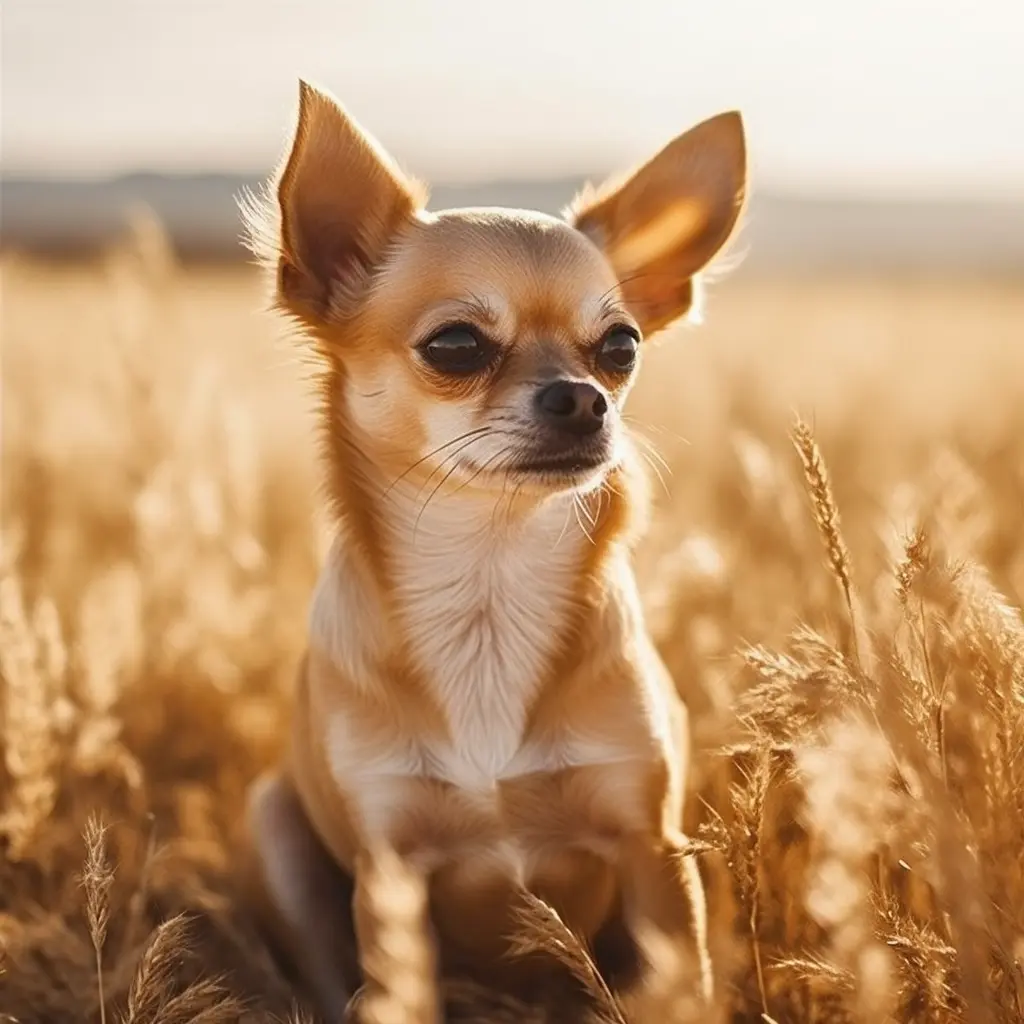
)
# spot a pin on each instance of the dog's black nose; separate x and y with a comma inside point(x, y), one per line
point(572, 406)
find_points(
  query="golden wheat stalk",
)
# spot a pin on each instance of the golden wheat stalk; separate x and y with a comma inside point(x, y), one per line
point(748, 801)
point(396, 950)
point(826, 515)
point(97, 880)
point(542, 930)
point(155, 973)
point(916, 565)
point(826, 512)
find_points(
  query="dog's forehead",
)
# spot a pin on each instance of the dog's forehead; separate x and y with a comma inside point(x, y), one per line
point(520, 255)
point(537, 238)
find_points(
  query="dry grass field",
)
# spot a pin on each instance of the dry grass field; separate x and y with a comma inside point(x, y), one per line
point(840, 602)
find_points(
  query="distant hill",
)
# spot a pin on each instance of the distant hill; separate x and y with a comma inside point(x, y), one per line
point(782, 233)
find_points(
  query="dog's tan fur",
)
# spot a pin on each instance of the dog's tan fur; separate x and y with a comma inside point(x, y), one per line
point(480, 692)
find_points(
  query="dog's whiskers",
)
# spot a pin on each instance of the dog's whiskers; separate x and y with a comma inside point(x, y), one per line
point(454, 468)
point(655, 460)
point(453, 457)
point(578, 508)
point(480, 468)
point(565, 527)
point(440, 448)
point(639, 426)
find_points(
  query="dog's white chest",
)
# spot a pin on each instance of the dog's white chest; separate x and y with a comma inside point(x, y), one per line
point(483, 614)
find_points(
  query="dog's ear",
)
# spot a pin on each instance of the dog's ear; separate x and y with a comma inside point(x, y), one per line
point(342, 200)
point(663, 223)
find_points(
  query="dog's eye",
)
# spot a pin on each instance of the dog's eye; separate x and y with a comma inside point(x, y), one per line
point(618, 350)
point(455, 350)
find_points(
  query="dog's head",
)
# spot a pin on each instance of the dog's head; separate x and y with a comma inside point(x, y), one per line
point(489, 345)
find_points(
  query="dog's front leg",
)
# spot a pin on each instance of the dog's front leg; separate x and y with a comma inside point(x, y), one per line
point(302, 895)
point(663, 891)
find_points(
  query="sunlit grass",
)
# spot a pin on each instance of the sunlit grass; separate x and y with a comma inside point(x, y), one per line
point(839, 602)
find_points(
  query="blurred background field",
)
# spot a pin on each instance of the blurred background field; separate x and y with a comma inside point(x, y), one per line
point(859, 786)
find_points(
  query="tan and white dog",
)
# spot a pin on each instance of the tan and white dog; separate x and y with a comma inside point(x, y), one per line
point(480, 693)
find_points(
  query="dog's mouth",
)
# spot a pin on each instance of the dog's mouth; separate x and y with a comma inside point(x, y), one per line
point(543, 464)
point(562, 465)
point(548, 473)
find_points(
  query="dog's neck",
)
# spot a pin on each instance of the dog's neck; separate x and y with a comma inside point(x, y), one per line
point(410, 539)
point(395, 514)
point(478, 590)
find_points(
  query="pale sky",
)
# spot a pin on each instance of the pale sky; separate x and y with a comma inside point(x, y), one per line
point(898, 97)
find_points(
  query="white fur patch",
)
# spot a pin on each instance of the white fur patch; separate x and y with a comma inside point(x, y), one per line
point(482, 604)
point(483, 607)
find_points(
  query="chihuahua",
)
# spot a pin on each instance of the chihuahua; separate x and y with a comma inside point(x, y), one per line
point(479, 693)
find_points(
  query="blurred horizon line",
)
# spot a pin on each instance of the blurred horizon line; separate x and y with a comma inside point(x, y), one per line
point(782, 230)
point(1008, 191)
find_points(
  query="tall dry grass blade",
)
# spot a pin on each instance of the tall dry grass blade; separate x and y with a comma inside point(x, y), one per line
point(396, 949)
point(748, 801)
point(917, 559)
point(154, 978)
point(202, 1002)
point(826, 512)
point(542, 930)
point(826, 515)
point(97, 881)
point(917, 564)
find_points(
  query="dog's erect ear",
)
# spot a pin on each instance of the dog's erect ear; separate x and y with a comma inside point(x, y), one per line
point(667, 220)
point(342, 200)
